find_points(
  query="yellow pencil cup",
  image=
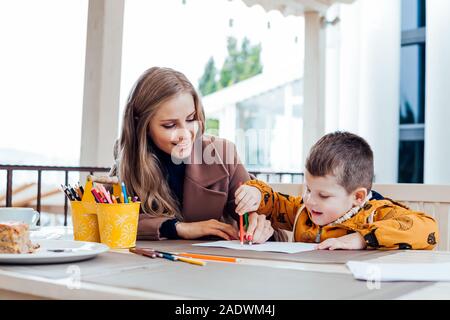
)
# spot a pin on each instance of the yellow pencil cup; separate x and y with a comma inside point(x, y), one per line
point(118, 223)
point(84, 220)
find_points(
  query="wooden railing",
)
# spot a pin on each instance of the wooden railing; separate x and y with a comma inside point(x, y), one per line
point(277, 176)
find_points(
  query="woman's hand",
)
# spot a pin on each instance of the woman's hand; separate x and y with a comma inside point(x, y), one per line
point(212, 227)
point(259, 228)
point(353, 241)
point(247, 199)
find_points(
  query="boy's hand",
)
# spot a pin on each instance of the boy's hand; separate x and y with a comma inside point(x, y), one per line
point(259, 228)
point(247, 199)
point(353, 241)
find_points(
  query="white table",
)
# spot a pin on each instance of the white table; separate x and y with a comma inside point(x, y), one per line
point(18, 285)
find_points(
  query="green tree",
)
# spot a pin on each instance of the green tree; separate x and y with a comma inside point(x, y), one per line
point(207, 83)
point(240, 64)
point(212, 127)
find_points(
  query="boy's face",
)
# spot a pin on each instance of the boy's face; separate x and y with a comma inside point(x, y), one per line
point(326, 200)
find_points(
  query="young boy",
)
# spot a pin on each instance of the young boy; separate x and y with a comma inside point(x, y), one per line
point(339, 209)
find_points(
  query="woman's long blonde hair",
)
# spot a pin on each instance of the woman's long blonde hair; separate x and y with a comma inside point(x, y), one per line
point(139, 167)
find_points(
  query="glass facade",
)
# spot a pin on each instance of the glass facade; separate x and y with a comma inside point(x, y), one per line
point(411, 162)
point(413, 14)
point(412, 92)
point(412, 84)
point(269, 123)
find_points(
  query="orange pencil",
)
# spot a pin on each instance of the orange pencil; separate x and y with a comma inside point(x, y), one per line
point(78, 191)
point(207, 257)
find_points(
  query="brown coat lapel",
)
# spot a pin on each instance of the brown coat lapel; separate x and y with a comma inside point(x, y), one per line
point(206, 184)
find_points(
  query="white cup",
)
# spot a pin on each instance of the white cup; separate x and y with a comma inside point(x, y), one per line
point(26, 215)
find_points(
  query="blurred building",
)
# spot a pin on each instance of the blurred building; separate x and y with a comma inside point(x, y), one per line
point(263, 116)
point(377, 68)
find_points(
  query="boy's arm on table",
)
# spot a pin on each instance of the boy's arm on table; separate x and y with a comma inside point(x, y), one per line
point(400, 228)
point(279, 207)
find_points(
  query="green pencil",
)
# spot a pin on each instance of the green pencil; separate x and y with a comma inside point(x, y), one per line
point(246, 220)
point(249, 238)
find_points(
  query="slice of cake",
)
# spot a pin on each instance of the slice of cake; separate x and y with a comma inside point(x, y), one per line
point(14, 238)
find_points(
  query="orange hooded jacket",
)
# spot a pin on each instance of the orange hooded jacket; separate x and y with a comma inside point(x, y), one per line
point(384, 224)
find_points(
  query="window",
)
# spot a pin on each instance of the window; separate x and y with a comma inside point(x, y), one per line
point(270, 122)
point(412, 92)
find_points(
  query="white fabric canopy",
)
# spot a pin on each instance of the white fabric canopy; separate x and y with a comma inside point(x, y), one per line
point(295, 7)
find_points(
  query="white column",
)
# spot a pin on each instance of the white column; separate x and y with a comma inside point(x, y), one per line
point(349, 72)
point(332, 70)
point(314, 81)
point(379, 94)
point(227, 123)
point(101, 82)
point(437, 110)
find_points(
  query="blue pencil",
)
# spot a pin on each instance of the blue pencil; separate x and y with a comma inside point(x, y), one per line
point(167, 256)
point(125, 196)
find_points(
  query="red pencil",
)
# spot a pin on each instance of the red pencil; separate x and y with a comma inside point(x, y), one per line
point(241, 225)
point(241, 228)
point(97, 197)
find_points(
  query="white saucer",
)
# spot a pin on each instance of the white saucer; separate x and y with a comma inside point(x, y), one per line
point(68, 251)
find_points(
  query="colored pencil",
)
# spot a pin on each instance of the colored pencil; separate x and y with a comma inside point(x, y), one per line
point(106, 193)
point(207, 257)
point(81, 188)
point(241, 229)
point(248, 236)
point(166, 256)
point(124, 191)
point(74, 194)
point(144, 252)
point(97, 197)
point(177, 257)
point(191, 261)
point(78, 191)
point(67, 193)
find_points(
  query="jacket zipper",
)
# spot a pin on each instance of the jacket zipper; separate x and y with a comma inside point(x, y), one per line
point(318, 235)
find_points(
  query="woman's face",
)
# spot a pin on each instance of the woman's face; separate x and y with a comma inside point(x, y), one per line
point(173, 127)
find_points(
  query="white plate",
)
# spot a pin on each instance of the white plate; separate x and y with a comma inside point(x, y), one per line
point(72, 251)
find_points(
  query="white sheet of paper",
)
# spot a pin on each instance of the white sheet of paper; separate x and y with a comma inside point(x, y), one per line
point(400, 271)
point(285, 247)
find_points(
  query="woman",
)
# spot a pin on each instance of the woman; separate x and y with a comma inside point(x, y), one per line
point(186, 180)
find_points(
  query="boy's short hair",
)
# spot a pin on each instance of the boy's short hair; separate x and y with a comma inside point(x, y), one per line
point(345, 155)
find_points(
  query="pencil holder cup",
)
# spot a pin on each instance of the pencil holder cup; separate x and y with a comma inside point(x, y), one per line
point(113, 224)
point(84, 220)
point(118, 223)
